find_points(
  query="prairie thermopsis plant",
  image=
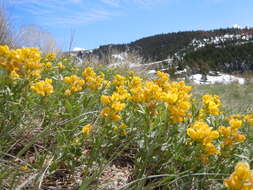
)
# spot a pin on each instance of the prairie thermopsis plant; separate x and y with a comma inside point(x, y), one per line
point(43, 88)
point(21, 63)
point(241, 178)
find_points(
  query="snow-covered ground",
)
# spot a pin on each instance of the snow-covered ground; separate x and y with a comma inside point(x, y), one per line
point(123, 59)
point(122, 56)
point(179, 72)
point(219, 39)
point(220, 78)
point(78, 49)
point(212, 78)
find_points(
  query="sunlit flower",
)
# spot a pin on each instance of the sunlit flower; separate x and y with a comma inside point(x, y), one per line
point(86, 129)
point(76, 84)
point(43, 88)
point(24, 168)
point(60, 65)
point(241, 178)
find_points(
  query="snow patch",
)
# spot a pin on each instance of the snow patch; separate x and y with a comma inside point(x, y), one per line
point(181, 72)
point(78, 49)
point(237, 26)
point(121, 56)
point(220, 78)
point(196, 44)
point(151, 72)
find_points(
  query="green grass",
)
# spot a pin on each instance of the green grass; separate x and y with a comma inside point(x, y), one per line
point(236, 98)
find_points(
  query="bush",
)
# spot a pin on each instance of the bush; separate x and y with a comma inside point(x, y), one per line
point(64, 126)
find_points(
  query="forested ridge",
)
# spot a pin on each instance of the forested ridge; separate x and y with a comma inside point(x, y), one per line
point(228, 49)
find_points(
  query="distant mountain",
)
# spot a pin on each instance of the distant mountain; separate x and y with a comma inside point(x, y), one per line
point(226, 50)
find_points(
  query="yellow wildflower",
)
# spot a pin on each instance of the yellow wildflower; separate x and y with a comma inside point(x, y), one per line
point(20, 63)
point(211, 104)
point(235, 123)
point(117, 106)
point(122, 128)
point(106, 112)
point(60, 65)
point(14, 74)
point(115, 117)
point(86, 129)
point(105, 99)
point(43, 88)
point(204, 135)
point(119, 80)
point(231, 134)
point(249, 118)
point(241, 178)
point(24, 168)
point(200, 131)
point(50, 57)
point(210, 149)
point(92, 80)
point(48, 64)
point(75, 82)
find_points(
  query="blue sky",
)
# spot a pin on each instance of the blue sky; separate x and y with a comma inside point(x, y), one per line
point(99, 22)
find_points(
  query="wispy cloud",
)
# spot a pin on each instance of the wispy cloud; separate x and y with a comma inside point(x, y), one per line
point(78, 18)
point(62, 12)
point(76, 12)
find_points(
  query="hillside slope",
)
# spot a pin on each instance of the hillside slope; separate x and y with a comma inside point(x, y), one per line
point(223, 49)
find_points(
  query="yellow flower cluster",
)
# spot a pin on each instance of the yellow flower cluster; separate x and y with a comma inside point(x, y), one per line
point(211, 106)
point(174, 94)
point(92, 80)
point(162, 80)
point(144, 93)
point(204, 135)
point(87, 129)
point(60, 65)
point(246, 118)
point(119, 80)
point(177, 96)
point(49, 57)
point(114, 103)
point(76, 84)
point(241, 178)
point(48, 65)
point(135, 82)
point(231, 134)
point(21, 63)
point(234, 116)
point(43, 88)
point(249, 118)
